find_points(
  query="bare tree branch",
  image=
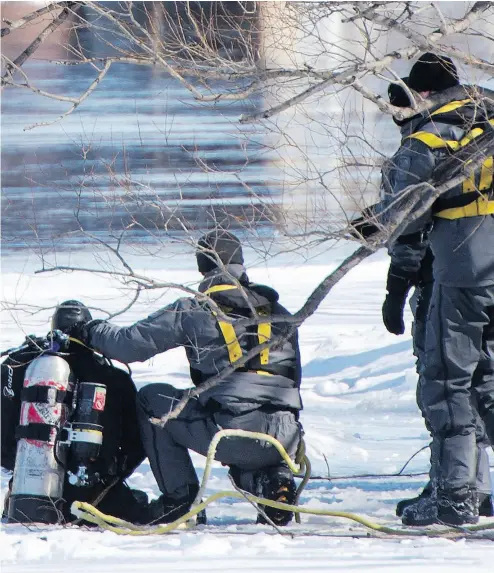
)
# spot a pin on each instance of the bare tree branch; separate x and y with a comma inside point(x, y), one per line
point(32, 16)
point(442, 97)
point(84, 96)
point(29, 51)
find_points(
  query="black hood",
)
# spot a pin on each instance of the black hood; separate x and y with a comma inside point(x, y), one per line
point(218, 246)
point(258, 296)
point(432, 72)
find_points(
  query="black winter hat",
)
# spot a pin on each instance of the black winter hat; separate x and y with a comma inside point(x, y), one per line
point(433, 73)
point(218, 244)
point(69, 313)
point(397, 95)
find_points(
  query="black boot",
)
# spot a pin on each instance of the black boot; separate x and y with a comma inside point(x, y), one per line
point(404, 503)
point(485, 505)
point(422, 512)
point(458, 508)
point(126, 503)
point(276, 484)
point(167, 509)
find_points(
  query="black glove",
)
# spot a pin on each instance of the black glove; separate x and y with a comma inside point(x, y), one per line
point(398, 285)
point(363, 227)
point(81, 330)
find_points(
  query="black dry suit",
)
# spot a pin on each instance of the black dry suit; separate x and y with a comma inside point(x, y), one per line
point(121, 451)
point(460, 325)
point(263, 395)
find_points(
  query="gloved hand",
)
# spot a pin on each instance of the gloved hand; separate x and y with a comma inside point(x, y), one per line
point(363, 227)
point(397, 286)
point(81, 330)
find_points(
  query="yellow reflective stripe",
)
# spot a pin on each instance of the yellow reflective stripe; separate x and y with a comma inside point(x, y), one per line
point(434, 141)
point(469, 184)
point(451, 106)
point(264, 335)
point(231, 340)
point(486, 174)
point(84, 429)
point(471, 135)
point(219, 288)
point(477, 208)
point(264, 373)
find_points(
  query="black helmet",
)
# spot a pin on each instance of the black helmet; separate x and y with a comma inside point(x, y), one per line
point(68, 313)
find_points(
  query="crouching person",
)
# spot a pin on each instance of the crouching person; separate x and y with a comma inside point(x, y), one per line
point(261, 396)
point(121, 450)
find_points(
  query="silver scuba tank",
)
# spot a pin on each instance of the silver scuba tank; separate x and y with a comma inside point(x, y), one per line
point(39, 470)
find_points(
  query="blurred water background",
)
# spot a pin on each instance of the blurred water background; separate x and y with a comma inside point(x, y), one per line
point(141, 152)
point(138, 149)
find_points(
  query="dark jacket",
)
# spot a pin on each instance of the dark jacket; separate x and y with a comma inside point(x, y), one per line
point(463, 248)
point(191, 323)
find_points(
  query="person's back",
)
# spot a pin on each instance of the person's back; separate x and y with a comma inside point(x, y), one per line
point(462, 221)
point(271, 378)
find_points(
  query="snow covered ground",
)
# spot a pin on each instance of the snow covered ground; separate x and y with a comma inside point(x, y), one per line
point(360, 417)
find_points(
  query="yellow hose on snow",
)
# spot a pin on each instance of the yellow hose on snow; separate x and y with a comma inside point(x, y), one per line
point(86, 511)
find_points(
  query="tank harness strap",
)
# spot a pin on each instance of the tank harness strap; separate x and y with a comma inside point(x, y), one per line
point(227, 330)
point(230, 336)
point(44, 394)
point(473, 203)
point(264, 335)
point(231, 340)
point(41, 432)
point(219, 288)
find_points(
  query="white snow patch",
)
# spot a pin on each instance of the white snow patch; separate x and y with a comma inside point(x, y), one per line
point(360, 418)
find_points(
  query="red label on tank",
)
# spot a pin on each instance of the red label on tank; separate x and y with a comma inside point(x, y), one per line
point(99, 399)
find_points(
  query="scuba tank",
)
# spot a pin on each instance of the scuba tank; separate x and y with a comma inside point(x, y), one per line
point(85, 433)
point(59, 436)
point(39, 472)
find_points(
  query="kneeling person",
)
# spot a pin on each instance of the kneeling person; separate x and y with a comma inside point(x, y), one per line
point(262, 396)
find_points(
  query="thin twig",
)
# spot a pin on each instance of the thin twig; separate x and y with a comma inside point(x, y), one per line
point(83, 97)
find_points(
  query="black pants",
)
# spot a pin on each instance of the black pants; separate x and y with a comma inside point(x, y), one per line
point(420, 304)
point(167, 447)
point(459, 357)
